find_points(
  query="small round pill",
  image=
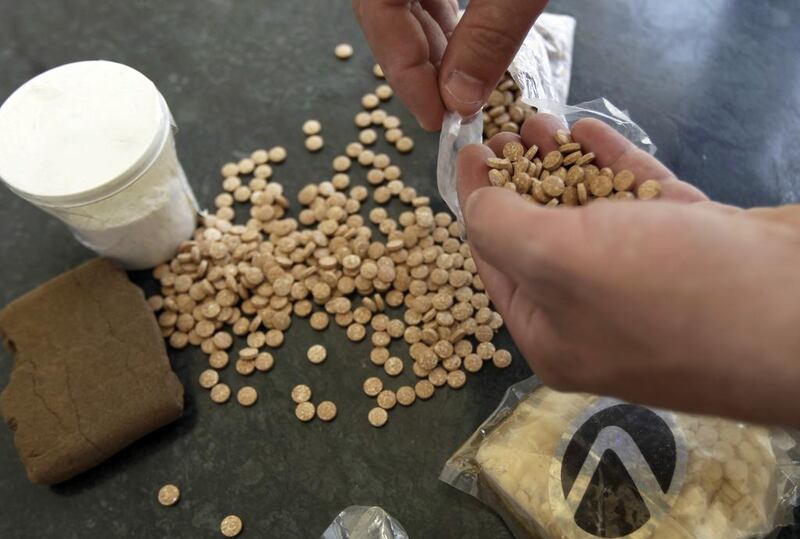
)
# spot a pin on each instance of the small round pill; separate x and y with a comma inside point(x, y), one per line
point(456, 379)
point(168, 495)
point(305, 411)
point(384, 92)
point(277, 154)
point(209, 378)
point(326, 411)
point(404, 144)
point(393, 366)
point(316, 354)
point(387, 399)
point(377, 417)
point(373, 386)
point(312, 127)
point(264, 362)
point(377, 70)
point(406, 395)
point(319, 320)
point(301, 393)
point(343, 51)
point(220, 393)
point(314, 143)
point(649, 189)
point(501, 358)
point(245, 367)
point(247, 396)
point(424, 389)
point(231, 526)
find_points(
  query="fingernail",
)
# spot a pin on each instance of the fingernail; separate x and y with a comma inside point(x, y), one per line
point(464, 88)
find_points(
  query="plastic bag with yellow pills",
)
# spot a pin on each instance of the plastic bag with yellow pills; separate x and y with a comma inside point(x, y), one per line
point(564, 466)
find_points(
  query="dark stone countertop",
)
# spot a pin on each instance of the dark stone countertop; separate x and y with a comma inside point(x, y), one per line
point(715, 83)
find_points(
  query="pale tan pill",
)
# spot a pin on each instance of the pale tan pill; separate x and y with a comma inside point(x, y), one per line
point(369, 102)
point(326, 411)
point(247, 396)
point(277, 154)
point(341, 163)
point(501, 358)
point(319, 320)
point(406, 395)
point(363, 119)
point(314, 143)
point(393, 135)
point(377, 116)
point(601, 185)
point(169, 495)
point(391, 122)
point(222, 340)
point(378, 71)
point(404, 145)
point(513, 150)
point(343, 51)
point(624, 180)
point(424, 389)
point(220, 393)
point(456, 379)
point(438, 377)
point(231, 526)
point(274, 338)
point(367, 137)
point(372, 386)
point(316, 354)
point(649, 189)
point(312, 127)
point(245, 367)
point(386, 399)
point(229, 170)
point(356, 332)
point(393, 366)
point(305, 411)
point(264, 362)
point(384, 92)
point(260, 156)
point(377, 417)
point(209, 378)
point(553, 160)
point(473, 363)
point(218, 359)
point(301, 393)
point(379, 355)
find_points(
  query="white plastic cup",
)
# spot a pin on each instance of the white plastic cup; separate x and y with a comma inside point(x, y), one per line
point(92, 144)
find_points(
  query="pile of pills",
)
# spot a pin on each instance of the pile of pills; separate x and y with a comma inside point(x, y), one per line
point(381, 277)
point(564, 176)
point(504, 110)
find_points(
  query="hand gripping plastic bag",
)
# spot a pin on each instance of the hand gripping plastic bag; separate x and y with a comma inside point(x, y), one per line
point(541, 70)
point(557, 465)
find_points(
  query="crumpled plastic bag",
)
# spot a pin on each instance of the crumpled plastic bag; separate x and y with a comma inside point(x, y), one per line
point(361, 522)
point(564, 466)
point(542, 71)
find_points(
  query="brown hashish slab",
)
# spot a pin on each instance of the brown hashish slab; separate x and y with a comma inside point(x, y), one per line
point(91, 373)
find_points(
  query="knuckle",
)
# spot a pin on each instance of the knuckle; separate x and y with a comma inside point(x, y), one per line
point(488, 41)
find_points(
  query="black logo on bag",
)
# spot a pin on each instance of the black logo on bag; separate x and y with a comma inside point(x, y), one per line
point(619, 469)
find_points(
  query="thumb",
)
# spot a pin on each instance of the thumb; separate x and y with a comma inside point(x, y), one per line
point(481, 48)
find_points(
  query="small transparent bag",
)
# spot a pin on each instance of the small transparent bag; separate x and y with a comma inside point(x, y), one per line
point(563, 466)
point(362, 522)
point(541, 70)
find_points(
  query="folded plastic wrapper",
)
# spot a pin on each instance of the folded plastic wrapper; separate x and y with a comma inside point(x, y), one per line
point(564, 466)
point(542, 70)
point(361, 522)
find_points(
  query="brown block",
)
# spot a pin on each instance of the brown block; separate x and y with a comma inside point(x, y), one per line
point(91, 373)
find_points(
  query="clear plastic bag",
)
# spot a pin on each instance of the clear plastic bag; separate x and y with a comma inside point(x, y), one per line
point(541, 70)
point(565, 466)
point(361, 522)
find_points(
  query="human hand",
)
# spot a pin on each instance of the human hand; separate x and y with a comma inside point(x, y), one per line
point(435, 63)
point(680, 303)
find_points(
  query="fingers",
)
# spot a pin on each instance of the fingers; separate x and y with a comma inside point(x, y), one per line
point(400, 38)
point(481, 48)
point(471, 170)
point(525, 240)
point(540, 130)
point(618, 153)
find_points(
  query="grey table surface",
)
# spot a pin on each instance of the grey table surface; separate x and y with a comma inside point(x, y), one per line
point(715, 83)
